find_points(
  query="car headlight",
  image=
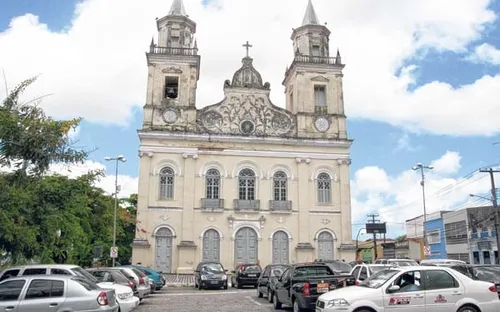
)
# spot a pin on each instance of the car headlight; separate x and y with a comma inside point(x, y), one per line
point(203, 277)
point(337, 303)
point(224, 277)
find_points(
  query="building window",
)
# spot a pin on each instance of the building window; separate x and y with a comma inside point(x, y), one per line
point(456, 233)
point(246, 185)
point(212, 180)
point(171, 87)
point(324, 188)
point(320, 96)
point(280, 186)
point(316, 50)
point(167, 183)
point(434, 237)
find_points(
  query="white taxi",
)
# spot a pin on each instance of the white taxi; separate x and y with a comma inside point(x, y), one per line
point(413, 289)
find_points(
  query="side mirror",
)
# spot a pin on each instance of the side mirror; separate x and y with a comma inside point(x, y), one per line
point(393, 288)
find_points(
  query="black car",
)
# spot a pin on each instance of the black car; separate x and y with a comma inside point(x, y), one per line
point(263, 283)
point(246, 275)
point(210, 275)
point(337, 266)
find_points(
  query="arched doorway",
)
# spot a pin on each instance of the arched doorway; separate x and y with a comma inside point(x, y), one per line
point(163, 254)
point(325, 246)
point(211, 246)
point(280, 248)
point(246, 246)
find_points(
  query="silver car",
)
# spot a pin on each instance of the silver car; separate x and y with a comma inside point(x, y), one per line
point(143, 287)
point(48, 293)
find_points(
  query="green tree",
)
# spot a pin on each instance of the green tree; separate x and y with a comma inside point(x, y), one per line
point(126, 227)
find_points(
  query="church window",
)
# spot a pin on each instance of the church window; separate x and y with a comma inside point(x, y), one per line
point(167, 183)
point(171, 87)
point(316, 51)
point(280, 186)
point(320, 96)
point(324, 188)
point(246, 185)
point(212, 180)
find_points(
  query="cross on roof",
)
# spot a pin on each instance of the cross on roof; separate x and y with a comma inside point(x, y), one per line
point(247, 46)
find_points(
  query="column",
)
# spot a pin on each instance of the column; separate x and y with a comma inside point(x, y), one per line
point(345, 202)
point(305, 200)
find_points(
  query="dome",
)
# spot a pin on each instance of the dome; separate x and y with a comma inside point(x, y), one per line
point(247, 77)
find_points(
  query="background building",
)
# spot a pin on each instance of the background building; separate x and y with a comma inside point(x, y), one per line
point(436, 238)
point(242, 181)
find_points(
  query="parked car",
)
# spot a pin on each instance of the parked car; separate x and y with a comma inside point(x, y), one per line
point(143, 287)
point(481, 272)
point(48, 293)
point(157, 278)
point(414, 289)
point(363, 271)
point(245, 275)
point(397, 262)
point(110, 275)
point(337, 266)
point(301, 285)
point(210, 275)
point(47, 269)
point(270, 272)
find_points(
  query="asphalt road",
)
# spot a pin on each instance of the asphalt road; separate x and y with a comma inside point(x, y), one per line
point(189, 299)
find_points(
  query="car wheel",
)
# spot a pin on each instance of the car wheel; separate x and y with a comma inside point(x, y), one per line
point(296, 307)
point(225, 286)
point(259, 293)
point(468, 308)
point(199, 286)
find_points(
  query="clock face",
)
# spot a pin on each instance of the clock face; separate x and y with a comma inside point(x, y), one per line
point(170, 116)
point(322, 124)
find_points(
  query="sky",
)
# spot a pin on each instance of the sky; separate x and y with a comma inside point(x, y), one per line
point(421, 83)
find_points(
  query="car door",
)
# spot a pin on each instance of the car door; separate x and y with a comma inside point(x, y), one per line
point(409, 297)
point(10, 292)
point(442, 291)
point(43, 295)
point(355, 272)
point(283, 286)
point(363, 273)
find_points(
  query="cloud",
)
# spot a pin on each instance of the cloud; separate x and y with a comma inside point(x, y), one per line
point(398, 198)
point(486, 53)
point(97, 70)
point(404, 144)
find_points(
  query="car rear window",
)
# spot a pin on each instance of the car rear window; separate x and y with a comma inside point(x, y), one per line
point(82, 273)
point(139, 273)
point(250, 268)
point(313, 271)
point(88, 285)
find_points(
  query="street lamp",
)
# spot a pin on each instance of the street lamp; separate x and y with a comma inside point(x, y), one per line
point(421, 167)
point(357, 240)
point(117, 159)
point(495, 207)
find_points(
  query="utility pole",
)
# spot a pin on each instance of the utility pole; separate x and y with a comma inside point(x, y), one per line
point(373, 220)
point(491, 171)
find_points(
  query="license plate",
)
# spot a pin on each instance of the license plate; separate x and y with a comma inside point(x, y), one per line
point(252, 275)
point(214, 282)
point(322, 287)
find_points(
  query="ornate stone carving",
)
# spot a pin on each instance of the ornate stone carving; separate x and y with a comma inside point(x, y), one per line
point(320, 79)
point(239, 111)
point(247, 77)
point(164, 218)
point(187, 155)
point(325, 221)
point(170, 116)
point(172, 69)
point(211, 219)
point(322, 124)
point(344, 162)
point(280, 220)
point(149, 154)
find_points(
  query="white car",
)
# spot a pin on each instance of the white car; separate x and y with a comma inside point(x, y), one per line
point(124, 296)
point(364, 271)
point(414, 289)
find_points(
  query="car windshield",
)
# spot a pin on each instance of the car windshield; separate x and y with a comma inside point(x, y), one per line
point(339, 266)
point(82, 273)
point(212, 268)
point(278, 270)
point(375, 269)
point(250, 268)
point(378, 279)
point(487, 274)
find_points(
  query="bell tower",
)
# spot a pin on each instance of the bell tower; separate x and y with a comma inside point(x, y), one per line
point(173, 70)
point(313, 82)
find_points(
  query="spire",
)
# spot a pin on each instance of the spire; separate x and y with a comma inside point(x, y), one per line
point(177, 8)
point(310, 18)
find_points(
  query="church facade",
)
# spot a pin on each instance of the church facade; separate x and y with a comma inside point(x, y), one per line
point(242, 180)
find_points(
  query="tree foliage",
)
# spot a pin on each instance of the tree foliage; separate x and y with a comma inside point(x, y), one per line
point(51, 218)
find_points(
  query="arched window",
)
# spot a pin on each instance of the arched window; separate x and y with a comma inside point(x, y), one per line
point(246, 184)
point(280, 186)
point(324, 188)
point(212, 181)
point(167, 175)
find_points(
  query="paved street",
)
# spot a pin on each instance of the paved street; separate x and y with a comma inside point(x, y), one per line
point(189, 299)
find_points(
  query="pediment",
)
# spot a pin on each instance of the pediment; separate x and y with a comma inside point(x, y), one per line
point(320, 79)
point(246, 114)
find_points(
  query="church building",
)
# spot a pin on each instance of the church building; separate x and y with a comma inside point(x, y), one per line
point(242, 180)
